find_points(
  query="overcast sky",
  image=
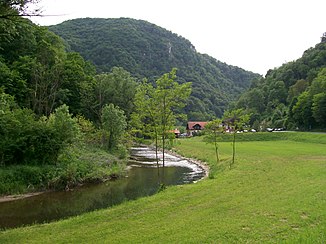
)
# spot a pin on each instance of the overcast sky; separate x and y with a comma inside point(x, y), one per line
point(256, 35)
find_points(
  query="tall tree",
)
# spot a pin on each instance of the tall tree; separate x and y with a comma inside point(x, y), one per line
point(319, 108)
point(214, 129)
point(236, 120)
point(114, 123)
point(302, 111)
point(117, 87)
point(159, 106)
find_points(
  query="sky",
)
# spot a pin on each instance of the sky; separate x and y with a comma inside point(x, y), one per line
point(256, 35)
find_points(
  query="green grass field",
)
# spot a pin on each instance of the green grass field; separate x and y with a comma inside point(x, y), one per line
point(275, 192)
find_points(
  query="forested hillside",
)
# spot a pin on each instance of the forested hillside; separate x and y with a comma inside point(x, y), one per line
point(292, 96)
point(146, 50)
point(55, 112)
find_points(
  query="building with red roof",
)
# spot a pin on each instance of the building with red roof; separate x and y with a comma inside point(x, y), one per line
point(195, 126)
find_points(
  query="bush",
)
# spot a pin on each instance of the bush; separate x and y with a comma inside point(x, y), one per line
point(27, 140)
point(23, 178)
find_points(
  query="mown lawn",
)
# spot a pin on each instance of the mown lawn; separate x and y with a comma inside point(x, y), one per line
point(275, 192)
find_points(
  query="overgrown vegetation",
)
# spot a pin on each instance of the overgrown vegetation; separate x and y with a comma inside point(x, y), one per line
point(50, 152)
point(55, 113)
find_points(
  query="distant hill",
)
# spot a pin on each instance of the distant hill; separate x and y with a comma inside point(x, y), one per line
point(147, 50)
point(291, 96)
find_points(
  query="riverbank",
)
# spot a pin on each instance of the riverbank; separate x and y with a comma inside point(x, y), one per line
point(142, 179)
point(178, 154)
point(75, 166)
point(274, 193)
point(202, 165)
point(197, 162)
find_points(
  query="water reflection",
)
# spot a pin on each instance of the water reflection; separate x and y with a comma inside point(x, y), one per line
point(142, 180)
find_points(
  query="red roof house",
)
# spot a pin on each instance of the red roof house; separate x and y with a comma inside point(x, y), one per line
point(195, 126)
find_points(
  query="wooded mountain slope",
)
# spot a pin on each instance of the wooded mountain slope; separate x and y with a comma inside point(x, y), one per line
point(146, 50)
point(291, 96)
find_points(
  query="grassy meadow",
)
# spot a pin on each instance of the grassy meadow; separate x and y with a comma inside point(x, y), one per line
point(275, 192)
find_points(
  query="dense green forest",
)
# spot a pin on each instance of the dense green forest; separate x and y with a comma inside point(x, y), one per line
point(292, 96)
point(60, 124)
point(146, 50)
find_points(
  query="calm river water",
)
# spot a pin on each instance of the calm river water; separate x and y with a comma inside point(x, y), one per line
point(142, 180)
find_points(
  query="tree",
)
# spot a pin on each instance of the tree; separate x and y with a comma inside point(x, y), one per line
point(145, 115)
point(114, 123)
point(318, 85)
point(25, 139)
point(65, 126)
point(158, 107)
point(12, 83)
point(14, 8)
point(295, 90)
point(319, 108)
point(117, 87)
point(214, 129)
point(11, 20)
point(301, 111)
point(76, 85)
point(169, 96)
point(236, 120)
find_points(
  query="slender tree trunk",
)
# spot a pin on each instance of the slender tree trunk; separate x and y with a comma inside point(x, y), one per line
point(163, 148)
point(233, 151)
point(156, 155)
point(216, 152)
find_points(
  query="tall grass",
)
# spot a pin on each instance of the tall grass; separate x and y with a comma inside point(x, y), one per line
point(76, 165)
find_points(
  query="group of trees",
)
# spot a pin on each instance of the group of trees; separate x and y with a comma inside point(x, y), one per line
point(292, 96)
point(157, 108)
point(52, 101)
point(233, 121)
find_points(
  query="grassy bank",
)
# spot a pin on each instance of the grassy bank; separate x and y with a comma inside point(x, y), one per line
point(275, 192)
point(76, 165)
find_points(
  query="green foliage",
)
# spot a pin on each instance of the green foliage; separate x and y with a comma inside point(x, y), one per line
point(319, 108)
point(38, 81)
point(22, 178)
point(302, 112)
point(117, 87)
point(146, 50)
point(158, 107)
point(114, 125)
point(65, 127)
point(27, 140)
point(236, 120)
point(213, 130)
point(285, 98)
point(36, 70)
point(23, 138)
point(10, 9)
point(75, 165)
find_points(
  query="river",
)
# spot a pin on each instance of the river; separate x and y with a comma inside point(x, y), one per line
point(142, 180)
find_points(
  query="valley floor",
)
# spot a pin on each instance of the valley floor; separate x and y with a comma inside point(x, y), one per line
point(275, 192)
